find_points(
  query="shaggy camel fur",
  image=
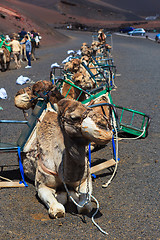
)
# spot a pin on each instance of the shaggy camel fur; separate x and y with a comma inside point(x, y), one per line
point(55, 157)
point(81, 77)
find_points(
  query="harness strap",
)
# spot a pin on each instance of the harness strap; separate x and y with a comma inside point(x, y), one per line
point(21, 167)
point(45, 169)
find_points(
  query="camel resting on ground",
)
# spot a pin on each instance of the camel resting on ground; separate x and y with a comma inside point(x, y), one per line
point(27, 98)
point(55, 156)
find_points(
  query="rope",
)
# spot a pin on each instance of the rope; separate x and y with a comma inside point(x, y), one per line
point(81, 206)
point(89, 196)
point(115, 151)
point(6, 179)
point(144, 129)
point(95, 215)
point(86, 202)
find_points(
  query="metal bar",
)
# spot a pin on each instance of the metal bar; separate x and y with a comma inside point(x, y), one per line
point(131, 110)
point(143, 123)
point(79, 95)
point(132, 119)
point(13, 121)
point(94, 96)
point(68, 91)
point(72, 84)
point(121, 115)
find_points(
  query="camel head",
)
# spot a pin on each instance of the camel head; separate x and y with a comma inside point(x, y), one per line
point(83, 124)
point(73, 65)
point(83, 81)
point(95, 45)
point(22, 99)
point(27, 97)
point(85, 50)
point(85, 59)
point(41, 87)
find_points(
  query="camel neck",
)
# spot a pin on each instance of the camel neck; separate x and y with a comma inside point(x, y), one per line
point(73, 161)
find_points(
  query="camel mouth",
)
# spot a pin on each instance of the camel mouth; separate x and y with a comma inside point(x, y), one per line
point(94, 132)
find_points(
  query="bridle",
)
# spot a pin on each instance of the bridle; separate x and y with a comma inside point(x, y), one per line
point(71, 121)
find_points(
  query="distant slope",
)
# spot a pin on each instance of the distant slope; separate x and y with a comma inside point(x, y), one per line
point(132, 10)
point(46, 15)
point(30, 17)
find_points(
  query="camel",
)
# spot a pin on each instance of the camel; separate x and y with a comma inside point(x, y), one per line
point(55, 158)
point(85, 50)
point(95, 48)
point(79, 71)
point(5, 58)
point(23, 49)
point(75, 66)
point(101, 36)
point(100, 48)
point(33, 43)
point(28, 97)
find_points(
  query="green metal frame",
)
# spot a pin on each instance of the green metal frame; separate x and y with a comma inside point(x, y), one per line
point(122, 125)
point(129, 126)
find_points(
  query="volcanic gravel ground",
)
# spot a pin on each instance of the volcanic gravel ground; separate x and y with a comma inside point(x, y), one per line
point(129, 207)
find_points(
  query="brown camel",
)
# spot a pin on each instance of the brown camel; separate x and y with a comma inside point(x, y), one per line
point(5, 58)
point(55, 156)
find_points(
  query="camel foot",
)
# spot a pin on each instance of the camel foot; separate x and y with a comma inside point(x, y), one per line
point(86, 209)
point(57, 211)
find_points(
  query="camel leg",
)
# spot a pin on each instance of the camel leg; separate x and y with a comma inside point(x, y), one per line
point(3, 67)
point(47, 195)
point(7, 65)
point(61, 197)
point(33, 57)
point(83, 196)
